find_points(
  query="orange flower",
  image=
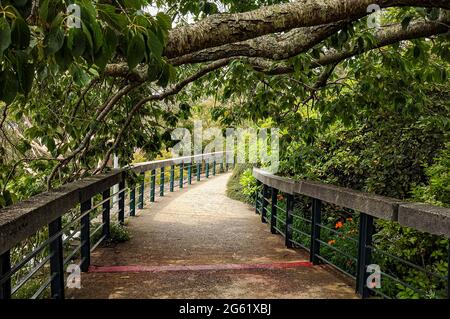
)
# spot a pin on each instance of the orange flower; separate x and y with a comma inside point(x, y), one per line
point(332, 242)
point(339, 225)
point(280, 197)
point(349, 219)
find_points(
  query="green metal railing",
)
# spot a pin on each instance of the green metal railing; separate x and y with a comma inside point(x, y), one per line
point(343, 237)
point(79, 219)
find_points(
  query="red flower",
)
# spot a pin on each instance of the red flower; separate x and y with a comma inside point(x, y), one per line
point(339, 225)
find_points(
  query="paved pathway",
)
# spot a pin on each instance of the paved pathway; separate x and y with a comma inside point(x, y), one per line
point(198, 243)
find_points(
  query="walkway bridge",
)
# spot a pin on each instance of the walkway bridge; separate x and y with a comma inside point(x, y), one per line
point(189, 240)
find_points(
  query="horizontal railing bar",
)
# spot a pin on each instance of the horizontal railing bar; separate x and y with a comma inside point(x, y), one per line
point(336, 232)
point(97, 229)
point(419, 268)
point(72, 234)
point(301, 218)
point(31, 273)
point(420, 216)
point(336, 267)
point(98, 243)
point(73, 253)
point(379, 293)
point(280, 220)
point(43, 287)
point(299, 231)
point(28, 257)
point(419, 291)
point(23, 219)
point(337, 249)
point(278, 230)
point(300, 245)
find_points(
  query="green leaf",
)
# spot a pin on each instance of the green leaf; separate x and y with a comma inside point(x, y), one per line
point(25, 72)
point(417, 51)
point(135, 4)
point(64, 57)
point(136, 49)
point(164, 20)
point(90, 46)
point(20, 3)
point(153, 43)
point(43, 10)
point(54, 41)
point(20, 34)
point(5, 35)
point(8, 86)
point(165, 75)
point(76, 42)
point(108, 13)
point(154, 69)
point(97, 36)
point(111, 40)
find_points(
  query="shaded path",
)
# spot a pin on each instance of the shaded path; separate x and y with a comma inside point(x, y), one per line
point(201, 226)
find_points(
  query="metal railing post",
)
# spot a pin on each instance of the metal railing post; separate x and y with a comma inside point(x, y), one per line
point(189, 174)
point(199, 171)
point(56, 259)
point(258, 184)
point(141, 192)
point(121, 212)
point(161, 182)
point(273, 211)
point(172, 177)
point(85, 235)
point(133, 200)
point(207, 169)
point(289, 220)
point(5, 267)
point(214, 168)
point(264, 203)
point(221, 167)
point(181, 175)
point(152, 185)
point(448, 271)
point(106, 215)
point(315, 230)
point(366, 230)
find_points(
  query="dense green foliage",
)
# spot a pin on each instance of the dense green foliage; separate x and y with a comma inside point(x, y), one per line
point(377, 121)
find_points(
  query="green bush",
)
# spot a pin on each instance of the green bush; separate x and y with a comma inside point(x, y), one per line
point(235, 190)
point(118, 234)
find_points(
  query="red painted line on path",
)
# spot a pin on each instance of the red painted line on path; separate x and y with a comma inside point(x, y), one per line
point(138, 268)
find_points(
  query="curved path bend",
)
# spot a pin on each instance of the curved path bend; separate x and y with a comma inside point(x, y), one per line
point(198, 243)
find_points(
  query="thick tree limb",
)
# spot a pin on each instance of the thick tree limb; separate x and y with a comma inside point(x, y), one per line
point(222, 29)
point(273, 46)
point(385, 37)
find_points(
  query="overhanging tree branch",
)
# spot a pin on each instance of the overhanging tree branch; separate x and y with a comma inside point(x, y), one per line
point(387, 36)
point(273, 46)
point(157, 97)
point(217, 30)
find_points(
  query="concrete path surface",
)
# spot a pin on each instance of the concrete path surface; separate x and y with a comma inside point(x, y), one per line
point(198, 243)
